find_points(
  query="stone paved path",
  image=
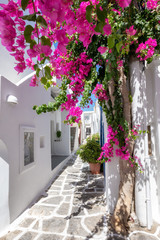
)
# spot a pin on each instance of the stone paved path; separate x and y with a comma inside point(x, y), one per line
point(74, 208)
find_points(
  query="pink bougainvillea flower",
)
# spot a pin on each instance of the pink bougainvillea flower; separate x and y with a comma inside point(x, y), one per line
point(33, 81)
point(20, 67)
point(107, 28)
point(115, 10)
point(131, 31)
point(123, 3)
point(146, 50)
point(74, 112)
point(102, 49)
point(152, 4)
point(100, 92)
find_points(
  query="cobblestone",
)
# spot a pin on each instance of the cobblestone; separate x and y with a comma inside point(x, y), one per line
point(73, 208)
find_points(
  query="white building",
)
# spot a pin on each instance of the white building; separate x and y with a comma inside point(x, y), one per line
point(90, 122)
point(145, 87)
point(28, 144)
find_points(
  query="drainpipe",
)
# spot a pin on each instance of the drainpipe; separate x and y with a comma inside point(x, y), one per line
point(101, 131)
point(102, 134)
point(146, 157)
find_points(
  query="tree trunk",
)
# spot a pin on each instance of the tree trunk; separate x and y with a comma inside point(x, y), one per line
point(123, 207)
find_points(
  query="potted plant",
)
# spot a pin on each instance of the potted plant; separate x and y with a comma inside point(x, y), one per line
point(58, 134)
point(90, 152)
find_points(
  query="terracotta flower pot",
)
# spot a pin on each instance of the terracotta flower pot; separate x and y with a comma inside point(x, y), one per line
point(95, 168)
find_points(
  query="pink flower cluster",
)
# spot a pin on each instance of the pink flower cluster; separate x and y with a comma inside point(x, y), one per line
point(120, 64)
point(14, 42)
point(123, 3)
point(108, 147)
point(100, 92)
point(34, 81)
point(152, 4)
point(74, 114)
point(107, 28)
point(112, 139)
point(71, 102)
point(102, 49)
point(39, 49)
point(131, 31)
point(75, 70)
point(54, 9)
point(146, 50)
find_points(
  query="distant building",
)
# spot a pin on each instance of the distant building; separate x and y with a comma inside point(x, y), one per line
point(90, 122)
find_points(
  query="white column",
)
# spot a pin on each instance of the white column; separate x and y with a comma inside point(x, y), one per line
point(138, 118)
point(156, 170)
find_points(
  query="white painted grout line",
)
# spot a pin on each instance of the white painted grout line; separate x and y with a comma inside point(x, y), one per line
point(143, 232)
point(157, 231)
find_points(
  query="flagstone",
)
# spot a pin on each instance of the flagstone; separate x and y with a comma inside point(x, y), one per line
point(50, 237)
point(26, 222)
point(60, 218)
point(63, 209)
point(11, 235)
point(28, 236)
point(95, 224)
point(54, 200)
point(55, 225)
point(39, 210)
point(75, 227)
point(142, 236)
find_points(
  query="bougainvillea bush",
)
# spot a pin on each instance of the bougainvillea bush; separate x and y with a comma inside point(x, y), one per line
point(96, 40)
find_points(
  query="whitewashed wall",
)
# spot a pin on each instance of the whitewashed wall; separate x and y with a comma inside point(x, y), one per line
point(153, 119)
point(61, 147)
point(20, 186)
point(24, 186)
point(145, 88)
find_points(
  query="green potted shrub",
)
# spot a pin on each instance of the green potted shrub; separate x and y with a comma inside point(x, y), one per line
point(90, 152)
point(58, 134)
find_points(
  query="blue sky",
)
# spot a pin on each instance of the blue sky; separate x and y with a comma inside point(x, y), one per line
point(94, 99)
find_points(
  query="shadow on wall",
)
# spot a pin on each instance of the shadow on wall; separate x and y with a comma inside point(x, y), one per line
point(4, 187)
point(112, 184)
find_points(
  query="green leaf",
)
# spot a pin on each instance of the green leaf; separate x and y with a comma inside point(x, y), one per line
point(100, 14)
point(24, 4)
point(35, 66)
point(45, 41)
point(38, 71)
point(28, 32)
point(89, 13)
point(118, 46)
point(111, 42)
point(31, 17)
point(32, 43)
point(47, 72)
point(42, 21)
point(99, 27)
point(43, 80)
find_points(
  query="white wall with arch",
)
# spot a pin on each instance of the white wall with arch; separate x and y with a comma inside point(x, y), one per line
point(21, 184)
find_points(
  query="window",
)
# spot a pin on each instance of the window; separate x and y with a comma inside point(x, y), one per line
point(88, 131)
point(27, 147)
point(86, 117)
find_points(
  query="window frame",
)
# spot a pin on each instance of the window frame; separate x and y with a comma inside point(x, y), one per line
point(24, 129)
